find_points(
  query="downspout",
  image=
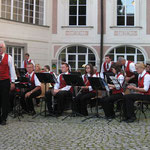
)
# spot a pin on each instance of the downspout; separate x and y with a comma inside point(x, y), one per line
point(102, 33)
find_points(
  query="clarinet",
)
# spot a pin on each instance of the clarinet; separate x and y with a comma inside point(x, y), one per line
point(80, 91)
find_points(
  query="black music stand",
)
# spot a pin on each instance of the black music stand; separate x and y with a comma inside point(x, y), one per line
point(97, 84)
point(73, 80)
point(22, 71)
point(45, 78)
point(107, 76)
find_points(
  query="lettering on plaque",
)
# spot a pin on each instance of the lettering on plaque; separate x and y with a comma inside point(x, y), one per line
point(125, 33)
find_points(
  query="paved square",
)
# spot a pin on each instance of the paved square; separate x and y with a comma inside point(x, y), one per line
point(72, 134)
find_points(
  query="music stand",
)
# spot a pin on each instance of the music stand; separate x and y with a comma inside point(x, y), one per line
point(45, 78)
point(97, 84)
point(22, 71)
point(107, 76)
point(73, 80)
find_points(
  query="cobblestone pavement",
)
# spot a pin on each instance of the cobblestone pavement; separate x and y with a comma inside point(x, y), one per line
point(52, 133)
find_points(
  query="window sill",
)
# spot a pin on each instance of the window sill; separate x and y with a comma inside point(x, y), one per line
point(78, 27)
point(25, 23)
point(126, 27)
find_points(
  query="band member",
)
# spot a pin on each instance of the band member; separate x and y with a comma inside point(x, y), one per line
point(106, 66)
point(61, 92)
point(37, 68)
point(95, 71)
point(7, 73)
point(143, 93)
point(27, 61)
point(33, 91)
point(108, 103)
point(86, 93)
point(148, 66)
point(129, 68)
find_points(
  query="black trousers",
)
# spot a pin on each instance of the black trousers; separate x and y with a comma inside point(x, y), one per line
point(4, 98)
point(108, 104)
point(60, 99)
point(27, 103)
point(128, 103)
point(81, 102)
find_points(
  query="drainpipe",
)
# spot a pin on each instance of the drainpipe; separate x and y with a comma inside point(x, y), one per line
point(102, 33)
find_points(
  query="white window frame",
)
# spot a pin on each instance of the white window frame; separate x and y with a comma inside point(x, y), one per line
point(76, 54)
point(77, 15)
point(125, 25)
point(127, 54)
point(13, 53)
point(23, 12)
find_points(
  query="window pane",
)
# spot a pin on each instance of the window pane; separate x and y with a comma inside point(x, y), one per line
point(121, 10)
point(82, 49)
point(130, 20)
point(82, 2)
point(140, 58)
point(73, 10)
point(82, 20)
point(120, 50)
point(72, 20)
point(130, 50)
point(121, 20)
point(130, 10)
point(72, 49)
point(81, 58)
point(73, 2)
point(82, 10)
point(120, 2)
point(91, 57)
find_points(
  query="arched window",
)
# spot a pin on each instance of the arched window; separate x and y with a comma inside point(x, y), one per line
point(129, 53)
point(76, 56)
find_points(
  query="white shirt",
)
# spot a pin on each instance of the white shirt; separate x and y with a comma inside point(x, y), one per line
point(36, 80)
point(102, 69)
point(11, 68)
point(57, 85)
point(90, 87)
point(120, 78)
point(22, 65)
point(146, 80)
point(131, 66)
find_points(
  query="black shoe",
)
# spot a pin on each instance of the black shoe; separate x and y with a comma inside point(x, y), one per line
point(3, 123)
point(32, 113)
point(110, 117)
point(130, 120)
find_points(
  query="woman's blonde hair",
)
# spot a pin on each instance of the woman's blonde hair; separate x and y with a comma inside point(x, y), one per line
point(140, 65)
point(38, 66)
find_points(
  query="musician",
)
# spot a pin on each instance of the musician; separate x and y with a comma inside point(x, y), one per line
point(7, 79)
point(83, 98)
point(61, 92)
point(129, 68)
point(106, 66)
point(108, 103)
point(148, 66)
point(95, 71)
point(143, 93)
point(37, 68)
point(27, 61)
point(33, 91)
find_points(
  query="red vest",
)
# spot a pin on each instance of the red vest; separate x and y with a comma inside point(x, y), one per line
point(4, 68)
point(25, 63)
point(32, 79)
point(63, 83)
point(105, 69)
point(97, 74)
point(115, 91)
point(127, 70)
point(141, 84)
point(87, 83)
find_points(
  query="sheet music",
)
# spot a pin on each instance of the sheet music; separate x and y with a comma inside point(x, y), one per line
point(115, 82)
